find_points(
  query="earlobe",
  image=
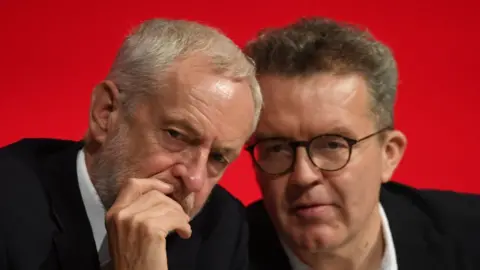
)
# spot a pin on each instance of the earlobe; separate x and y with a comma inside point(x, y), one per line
point(394, 149)
point(103, 110)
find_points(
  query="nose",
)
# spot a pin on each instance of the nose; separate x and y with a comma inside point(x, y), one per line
point(304, 172)
point(193, 171)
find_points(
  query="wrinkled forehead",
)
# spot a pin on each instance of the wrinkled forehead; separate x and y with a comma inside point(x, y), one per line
point(196, 78)
point(309, 105)
point(217, 107)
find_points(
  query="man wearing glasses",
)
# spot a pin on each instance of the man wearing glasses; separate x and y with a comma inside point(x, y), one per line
point(324, 152)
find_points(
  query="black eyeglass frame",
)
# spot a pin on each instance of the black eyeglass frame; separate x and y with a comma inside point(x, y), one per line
point(295, 144)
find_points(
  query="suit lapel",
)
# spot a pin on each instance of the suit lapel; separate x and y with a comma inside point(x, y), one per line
point(418, 243)
point(73, 240)
point(186, 253)
point(182, 253)
point(265, 249)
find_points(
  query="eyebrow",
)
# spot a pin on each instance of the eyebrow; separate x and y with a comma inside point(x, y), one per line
point(335, 130)
point(340, 130)
point(189, 128)
point(183, 124)
point(227, 151)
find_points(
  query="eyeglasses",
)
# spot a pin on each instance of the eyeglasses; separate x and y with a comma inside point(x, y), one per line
point(328, 152)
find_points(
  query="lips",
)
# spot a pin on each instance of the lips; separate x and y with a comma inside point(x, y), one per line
point(312, 210)
point(304, 208)
point(308, 204)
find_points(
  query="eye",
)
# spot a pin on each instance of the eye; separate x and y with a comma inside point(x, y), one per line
point(174, 134)
point(217, 157)
point(330, 143)
point(275, 148)
point(174, 140)
point(334, 145)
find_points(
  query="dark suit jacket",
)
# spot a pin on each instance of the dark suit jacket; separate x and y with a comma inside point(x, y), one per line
point(44, 225)
point(432, 230)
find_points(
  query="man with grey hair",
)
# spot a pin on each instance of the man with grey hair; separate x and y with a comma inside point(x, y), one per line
point(324, 152)
point(140, 191)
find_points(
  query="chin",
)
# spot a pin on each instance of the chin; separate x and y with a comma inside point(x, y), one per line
point(195, 207)
point(316, 238)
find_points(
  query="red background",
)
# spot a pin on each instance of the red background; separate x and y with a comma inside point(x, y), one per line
point(54, 52)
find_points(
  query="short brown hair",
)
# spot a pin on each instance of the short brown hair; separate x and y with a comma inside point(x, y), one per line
point(314, 45)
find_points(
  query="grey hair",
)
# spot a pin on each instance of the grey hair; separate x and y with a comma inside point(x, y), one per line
point(314, 45)
point(142, 63)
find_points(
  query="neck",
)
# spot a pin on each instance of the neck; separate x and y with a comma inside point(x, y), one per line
point(90, 149)
point(364, 251)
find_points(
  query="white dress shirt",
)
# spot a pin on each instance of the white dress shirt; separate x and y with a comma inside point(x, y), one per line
point(389, 261)
point(95, 210)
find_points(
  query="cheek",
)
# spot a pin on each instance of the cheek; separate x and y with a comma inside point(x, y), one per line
point(116, 153)
point(148, 164)
point(145, 154)
point(357, 186)
point(273, 190)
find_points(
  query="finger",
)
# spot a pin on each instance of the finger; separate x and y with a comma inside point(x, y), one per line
point(161, 220)
point(184, 231)
point(178, 222)
point(147, 202)
point(135, 187)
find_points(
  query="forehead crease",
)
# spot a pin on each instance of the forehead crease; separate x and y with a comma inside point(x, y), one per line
point(224, 100)
point(228, 118)
point(208, 88)
point(220, 102)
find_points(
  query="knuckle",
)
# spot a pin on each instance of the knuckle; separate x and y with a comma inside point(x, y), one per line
point(162, 233)
point(110, 215)
point(146, 227)
point(136, 222)
point(121, 216)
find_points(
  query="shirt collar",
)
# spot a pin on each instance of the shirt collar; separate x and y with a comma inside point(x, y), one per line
point(389, 261)
point(93, 205)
